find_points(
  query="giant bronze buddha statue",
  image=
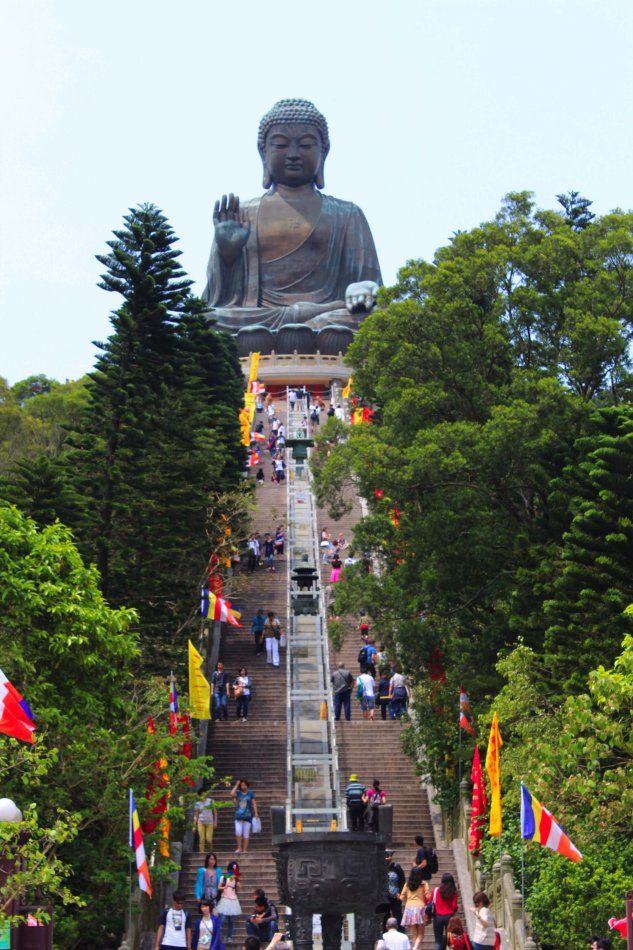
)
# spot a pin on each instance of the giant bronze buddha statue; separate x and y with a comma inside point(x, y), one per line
point(294, 269)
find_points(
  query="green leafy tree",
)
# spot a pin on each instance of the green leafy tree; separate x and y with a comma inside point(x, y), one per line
point(35, 416)
point(484, 368)
point(72, 657)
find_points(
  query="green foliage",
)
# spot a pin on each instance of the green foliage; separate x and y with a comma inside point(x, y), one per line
point(336, 632)
point(572, 901)
point(31, 850)
point(593, 585)
point(500, 378)
point(159, 436)
point(35, 415)
point(71, 655)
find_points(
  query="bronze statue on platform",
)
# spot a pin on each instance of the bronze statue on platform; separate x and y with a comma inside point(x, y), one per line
point(294, 269)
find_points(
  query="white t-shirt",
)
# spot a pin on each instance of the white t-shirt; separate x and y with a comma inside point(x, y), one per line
point(175, 922)
point(484, 927)
point(244, 682)
point(368, 684)
point(394, 940)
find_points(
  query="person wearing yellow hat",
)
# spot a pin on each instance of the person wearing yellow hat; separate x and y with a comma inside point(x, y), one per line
point(355, 805)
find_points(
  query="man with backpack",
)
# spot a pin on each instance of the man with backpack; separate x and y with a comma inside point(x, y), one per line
point(342, 681)
point(366, 657)
point(395, 883)
point(425, 859)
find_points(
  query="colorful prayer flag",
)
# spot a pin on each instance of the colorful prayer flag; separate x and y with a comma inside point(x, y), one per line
point(479, 803)
point(204, 602)
point(16, 718)
point(199, 689)
point(220, 609)
point(173, 705)
point(493, 768)
point(348, 389)
point(538, 824)
point(136, 842)
point(465, 713)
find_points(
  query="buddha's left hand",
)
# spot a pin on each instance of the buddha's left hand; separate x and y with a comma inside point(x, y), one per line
point(361, 297)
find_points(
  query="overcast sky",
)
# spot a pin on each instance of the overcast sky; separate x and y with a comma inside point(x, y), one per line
point(436, 108)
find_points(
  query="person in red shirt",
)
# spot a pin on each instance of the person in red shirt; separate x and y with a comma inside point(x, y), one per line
point(445, 899)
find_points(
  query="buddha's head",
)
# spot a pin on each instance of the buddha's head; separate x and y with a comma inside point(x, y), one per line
point(293, 142)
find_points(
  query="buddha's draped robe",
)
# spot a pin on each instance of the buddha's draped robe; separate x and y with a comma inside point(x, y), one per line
point(305, 286)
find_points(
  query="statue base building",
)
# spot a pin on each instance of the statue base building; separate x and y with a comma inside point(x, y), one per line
point(298, 369)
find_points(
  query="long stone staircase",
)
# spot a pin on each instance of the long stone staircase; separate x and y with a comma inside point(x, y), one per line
point(373, 750)
point(256, 750)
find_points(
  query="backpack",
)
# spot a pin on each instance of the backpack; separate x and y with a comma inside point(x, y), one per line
point(433, 863)
point(362, 655)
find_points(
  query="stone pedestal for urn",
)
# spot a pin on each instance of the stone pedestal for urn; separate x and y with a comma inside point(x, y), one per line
point(332, 874)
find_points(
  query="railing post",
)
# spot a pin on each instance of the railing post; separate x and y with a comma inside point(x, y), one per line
point(497, 905)
point(465, 810)
point(518, 929)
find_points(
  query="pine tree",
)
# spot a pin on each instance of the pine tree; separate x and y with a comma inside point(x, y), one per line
point(586, 602)
point(577, 213)
point(40, 489)
point(146, 458)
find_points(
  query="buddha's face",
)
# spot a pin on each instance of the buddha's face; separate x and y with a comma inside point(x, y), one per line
point(293, 154)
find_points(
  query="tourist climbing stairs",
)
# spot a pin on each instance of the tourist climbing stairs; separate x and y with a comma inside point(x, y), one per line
point(256, 749)
point(373, 750)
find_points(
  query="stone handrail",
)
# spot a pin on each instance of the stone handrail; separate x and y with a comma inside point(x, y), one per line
point(505, 899)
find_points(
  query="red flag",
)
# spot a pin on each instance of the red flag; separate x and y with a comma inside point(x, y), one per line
point(156, 779)
point(21, 728)
point(479, 803)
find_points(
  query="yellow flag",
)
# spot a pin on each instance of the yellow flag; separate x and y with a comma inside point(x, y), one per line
point(348, 389)
point(199, 689)
point(493, 768)
point(254, 367)
point(165, 826)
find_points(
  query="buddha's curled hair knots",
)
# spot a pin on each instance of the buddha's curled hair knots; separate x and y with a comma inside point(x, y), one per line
point(293, 111)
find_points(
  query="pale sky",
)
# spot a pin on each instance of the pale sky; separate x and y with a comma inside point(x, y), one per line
point(436, 109)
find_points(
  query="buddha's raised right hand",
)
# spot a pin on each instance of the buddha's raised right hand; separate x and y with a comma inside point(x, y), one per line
point(231, 228)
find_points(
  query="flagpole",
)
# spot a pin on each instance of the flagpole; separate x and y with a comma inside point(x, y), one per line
point(523, 880)
point(459, 755)
point(129, 929)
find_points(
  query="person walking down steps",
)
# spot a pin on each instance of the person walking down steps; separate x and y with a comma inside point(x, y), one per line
point(272, 636)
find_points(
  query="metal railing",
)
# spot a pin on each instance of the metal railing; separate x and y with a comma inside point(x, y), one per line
point(313, 793)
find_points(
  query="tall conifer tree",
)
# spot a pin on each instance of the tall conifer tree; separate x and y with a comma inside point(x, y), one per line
point(148, 456)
